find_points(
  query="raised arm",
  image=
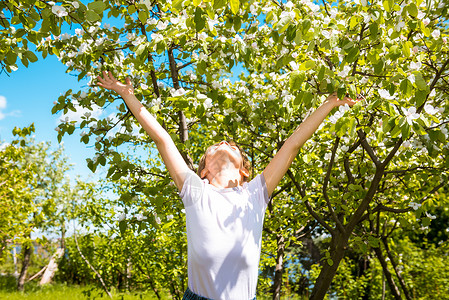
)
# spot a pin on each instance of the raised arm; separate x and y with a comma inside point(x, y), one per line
point(280, 163)
point(173, 160)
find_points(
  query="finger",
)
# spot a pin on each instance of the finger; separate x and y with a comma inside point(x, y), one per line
point(128, 81)
point(112, 76)
point(101, 80)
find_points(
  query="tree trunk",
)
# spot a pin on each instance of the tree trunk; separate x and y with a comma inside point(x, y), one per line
point(14, 258)
point(395, 268)
point(394, 289)
point(183, 130)
point(52, 267)
point(327, 273)
point(26, 259)
point(277, 284)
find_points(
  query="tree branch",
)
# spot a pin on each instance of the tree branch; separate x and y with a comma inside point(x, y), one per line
point(309, 207)
point(325, 185)
point(90, 266)
point(367, 147)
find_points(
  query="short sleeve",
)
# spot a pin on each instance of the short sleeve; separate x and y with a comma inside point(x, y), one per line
point(258, 188)
point(192, 189)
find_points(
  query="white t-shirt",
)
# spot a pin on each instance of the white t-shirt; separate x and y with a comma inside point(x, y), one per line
point(224, 237)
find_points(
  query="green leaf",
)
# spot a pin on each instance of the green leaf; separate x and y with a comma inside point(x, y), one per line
point(200, 22)
point(310, 64)
point(373, 29)
point(235, 6)
point(177, 5)
point(321, 73)
point(406, 49)
point(419, 81)
point(379, 67)
point(31, 56)
point(11, 57)
point(92, 16)
point(353, 55)
point(122, 226)
point(296, 79)
point(426, 221)
point(412, 9)
point(219, 4)
point(420, 97)
point(283, 24)
point(405, 130)
point(97, 6)
point(388, 5)
point(330, 262)
point(143, 16)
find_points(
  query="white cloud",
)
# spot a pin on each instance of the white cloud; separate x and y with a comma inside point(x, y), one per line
point(2, 106)
point(2, 102)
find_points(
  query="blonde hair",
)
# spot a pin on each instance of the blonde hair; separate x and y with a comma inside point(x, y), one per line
point(246, 162)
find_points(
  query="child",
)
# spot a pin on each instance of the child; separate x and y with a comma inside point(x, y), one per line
point(224, 212)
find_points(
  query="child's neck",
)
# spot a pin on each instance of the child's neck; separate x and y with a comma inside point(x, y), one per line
point(225, 178)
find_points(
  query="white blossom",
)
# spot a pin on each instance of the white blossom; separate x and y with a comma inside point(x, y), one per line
point(385, 94)
point(415, 205)
point(207, 103)
point(144, 86)
point(162, 25)
point(430, 109)
point(435, 34)
point(421, 15)
point(294, 65)
point(410, 114)
point(216, 84)
point(59, 11)
point(152, 21)
point(345, 72)
point(140, 217)
point(334, 118)
point(426, 21)
point(415, 65)
point(177, 93)
point(430, 216)
point(121, 216)
point(399, 26)
point(327, 156)
point(83, 48)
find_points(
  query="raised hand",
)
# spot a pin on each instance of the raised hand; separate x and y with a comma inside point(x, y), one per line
point(108, 81)
point(333, 98)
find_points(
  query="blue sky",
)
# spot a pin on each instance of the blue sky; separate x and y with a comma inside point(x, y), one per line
point(27, 96)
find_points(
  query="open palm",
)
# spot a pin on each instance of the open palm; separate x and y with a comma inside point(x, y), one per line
point(108, 81)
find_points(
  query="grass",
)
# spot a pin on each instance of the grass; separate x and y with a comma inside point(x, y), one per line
point(59, 291)
point(64, 292)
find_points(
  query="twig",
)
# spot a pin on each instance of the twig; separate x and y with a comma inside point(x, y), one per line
point(90, 266)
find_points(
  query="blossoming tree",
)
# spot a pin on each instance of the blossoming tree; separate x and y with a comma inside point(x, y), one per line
point(367, 169)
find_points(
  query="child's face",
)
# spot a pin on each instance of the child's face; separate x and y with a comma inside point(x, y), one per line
point(224, 155)
point(224, 150)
